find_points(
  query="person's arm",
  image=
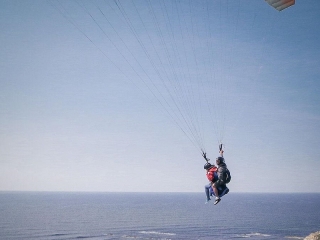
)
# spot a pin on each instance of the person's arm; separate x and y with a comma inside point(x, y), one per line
point(204, 155)
point(220, 174)
point(221, 153)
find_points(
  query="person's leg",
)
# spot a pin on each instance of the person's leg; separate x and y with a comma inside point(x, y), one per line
point(216, 192)
point(206, 189)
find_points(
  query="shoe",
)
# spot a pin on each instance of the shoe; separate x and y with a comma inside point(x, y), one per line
point(207, 201)
point(217, 201)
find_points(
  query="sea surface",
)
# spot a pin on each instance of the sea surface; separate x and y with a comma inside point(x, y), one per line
point(57, 215)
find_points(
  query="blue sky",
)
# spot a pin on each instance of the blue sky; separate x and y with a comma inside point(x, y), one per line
point(95, 101)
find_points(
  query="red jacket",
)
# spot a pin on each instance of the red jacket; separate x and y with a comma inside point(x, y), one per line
point(210, 173)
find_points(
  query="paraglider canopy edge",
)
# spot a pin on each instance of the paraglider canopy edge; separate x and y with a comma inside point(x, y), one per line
point(280, 4)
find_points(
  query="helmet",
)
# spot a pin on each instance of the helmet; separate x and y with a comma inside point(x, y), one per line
point(207, 166)
point(221, 159)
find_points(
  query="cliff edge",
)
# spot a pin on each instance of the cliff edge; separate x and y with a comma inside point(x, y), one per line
point(313, 236)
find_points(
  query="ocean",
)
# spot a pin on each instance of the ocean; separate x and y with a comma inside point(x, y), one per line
point(60, 215)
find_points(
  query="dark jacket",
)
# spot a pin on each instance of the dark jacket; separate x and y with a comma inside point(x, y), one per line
point(223, 174)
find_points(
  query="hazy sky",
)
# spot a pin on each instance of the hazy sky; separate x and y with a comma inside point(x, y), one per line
point(122, 95)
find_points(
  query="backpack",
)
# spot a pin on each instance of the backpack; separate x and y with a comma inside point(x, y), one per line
point(228, 176)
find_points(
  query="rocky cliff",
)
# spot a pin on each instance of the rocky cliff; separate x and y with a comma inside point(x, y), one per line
point(313, 236)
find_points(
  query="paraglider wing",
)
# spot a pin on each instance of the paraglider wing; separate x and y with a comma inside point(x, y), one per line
point(280, 4)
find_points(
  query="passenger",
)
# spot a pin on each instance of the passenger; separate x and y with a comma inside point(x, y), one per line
point(212, 177)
